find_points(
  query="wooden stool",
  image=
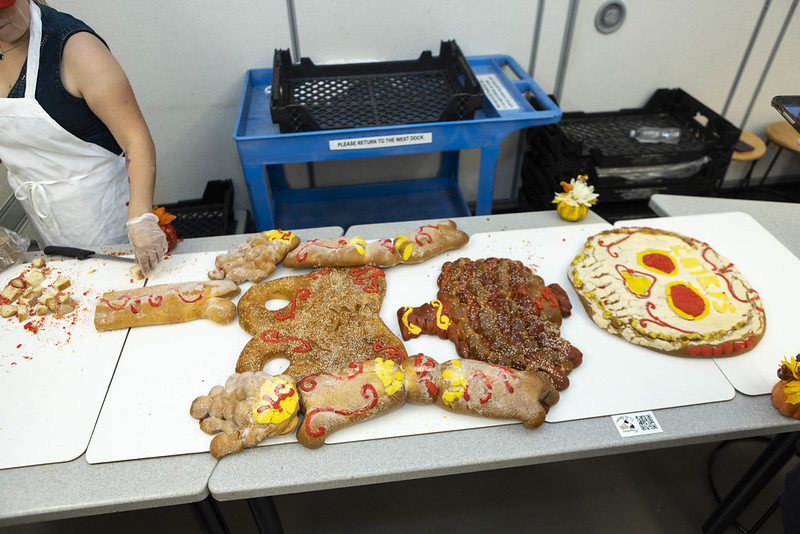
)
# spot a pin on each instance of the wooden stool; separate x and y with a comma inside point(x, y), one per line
point(759, 147)
point(784, 136)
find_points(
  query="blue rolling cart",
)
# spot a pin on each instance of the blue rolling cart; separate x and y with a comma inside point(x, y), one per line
point(263, 150)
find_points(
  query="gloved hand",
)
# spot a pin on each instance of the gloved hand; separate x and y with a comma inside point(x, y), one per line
point(148, 240)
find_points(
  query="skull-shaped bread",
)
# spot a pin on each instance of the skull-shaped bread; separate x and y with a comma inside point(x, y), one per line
point(667, 292)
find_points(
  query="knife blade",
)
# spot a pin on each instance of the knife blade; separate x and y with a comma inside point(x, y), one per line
point(82, 254)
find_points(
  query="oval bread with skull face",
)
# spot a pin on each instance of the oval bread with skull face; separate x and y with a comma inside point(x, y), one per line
point(667, 292)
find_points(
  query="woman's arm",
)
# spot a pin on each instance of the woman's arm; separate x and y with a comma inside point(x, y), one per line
point(90, 71)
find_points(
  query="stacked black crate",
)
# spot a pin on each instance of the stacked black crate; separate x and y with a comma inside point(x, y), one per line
point(621, 168)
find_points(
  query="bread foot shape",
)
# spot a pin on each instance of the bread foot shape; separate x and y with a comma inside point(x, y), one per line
point(248, 409)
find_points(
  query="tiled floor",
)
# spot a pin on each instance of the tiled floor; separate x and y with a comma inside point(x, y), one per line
point(662, 491)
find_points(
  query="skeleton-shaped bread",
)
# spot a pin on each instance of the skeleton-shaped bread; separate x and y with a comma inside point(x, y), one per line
point(332, 319)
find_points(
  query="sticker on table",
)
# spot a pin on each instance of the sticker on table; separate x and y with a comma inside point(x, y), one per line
point(636, 424)
point(381, 141)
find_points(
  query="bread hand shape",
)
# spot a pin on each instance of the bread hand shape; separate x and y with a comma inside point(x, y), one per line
point(248, 409)
point(256, 258)
point(253, 406)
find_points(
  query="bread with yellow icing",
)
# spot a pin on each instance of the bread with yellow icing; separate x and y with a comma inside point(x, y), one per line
point(343, 252)
point(360, 391)
point(249, 408)
point(478, 388)
point(422, 243)
point(667, 292)
point(256, 258)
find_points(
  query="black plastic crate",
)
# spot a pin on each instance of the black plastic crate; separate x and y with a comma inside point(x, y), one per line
point(599, 144)
point(210, 215)
point(308, 97)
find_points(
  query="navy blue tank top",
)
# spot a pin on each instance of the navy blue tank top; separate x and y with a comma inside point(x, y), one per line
point(72, 113)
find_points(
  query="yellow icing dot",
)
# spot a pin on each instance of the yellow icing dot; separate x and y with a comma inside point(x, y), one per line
point(456, 383)
point(359, 244)
point(639, 285)
point(398, 243)
point(390, 374)
point(272, 391)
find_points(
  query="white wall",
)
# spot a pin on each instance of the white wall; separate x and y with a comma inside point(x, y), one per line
point(187, 58)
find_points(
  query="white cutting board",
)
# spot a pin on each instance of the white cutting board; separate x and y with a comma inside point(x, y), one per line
point(771, 269)
point(163, 368)
point(52, 382)
point(613, 377)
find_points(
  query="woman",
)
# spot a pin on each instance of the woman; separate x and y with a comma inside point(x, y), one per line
point(72, 136)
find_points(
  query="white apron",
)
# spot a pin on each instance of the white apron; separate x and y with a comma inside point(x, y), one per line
point(74, 192)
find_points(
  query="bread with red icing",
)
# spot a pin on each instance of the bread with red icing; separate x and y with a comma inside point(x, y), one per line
point(667, 292)
point(422, 243)
point(166, 304)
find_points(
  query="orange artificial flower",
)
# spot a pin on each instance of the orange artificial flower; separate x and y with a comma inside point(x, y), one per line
point(164, 218)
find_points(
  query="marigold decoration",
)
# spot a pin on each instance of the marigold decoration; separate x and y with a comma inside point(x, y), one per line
point(165, 223)
point(786, 393)
point(789, 371)
point(573, 204)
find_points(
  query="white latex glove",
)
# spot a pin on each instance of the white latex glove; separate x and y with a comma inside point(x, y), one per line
point(148, 240)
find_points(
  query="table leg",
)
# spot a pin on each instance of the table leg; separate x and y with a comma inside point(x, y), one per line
point(488, 168)
point(771, 163)
point(778, 452)
point(260, 203)
point(208, 517)
point(265, 515)
point(746, 180)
